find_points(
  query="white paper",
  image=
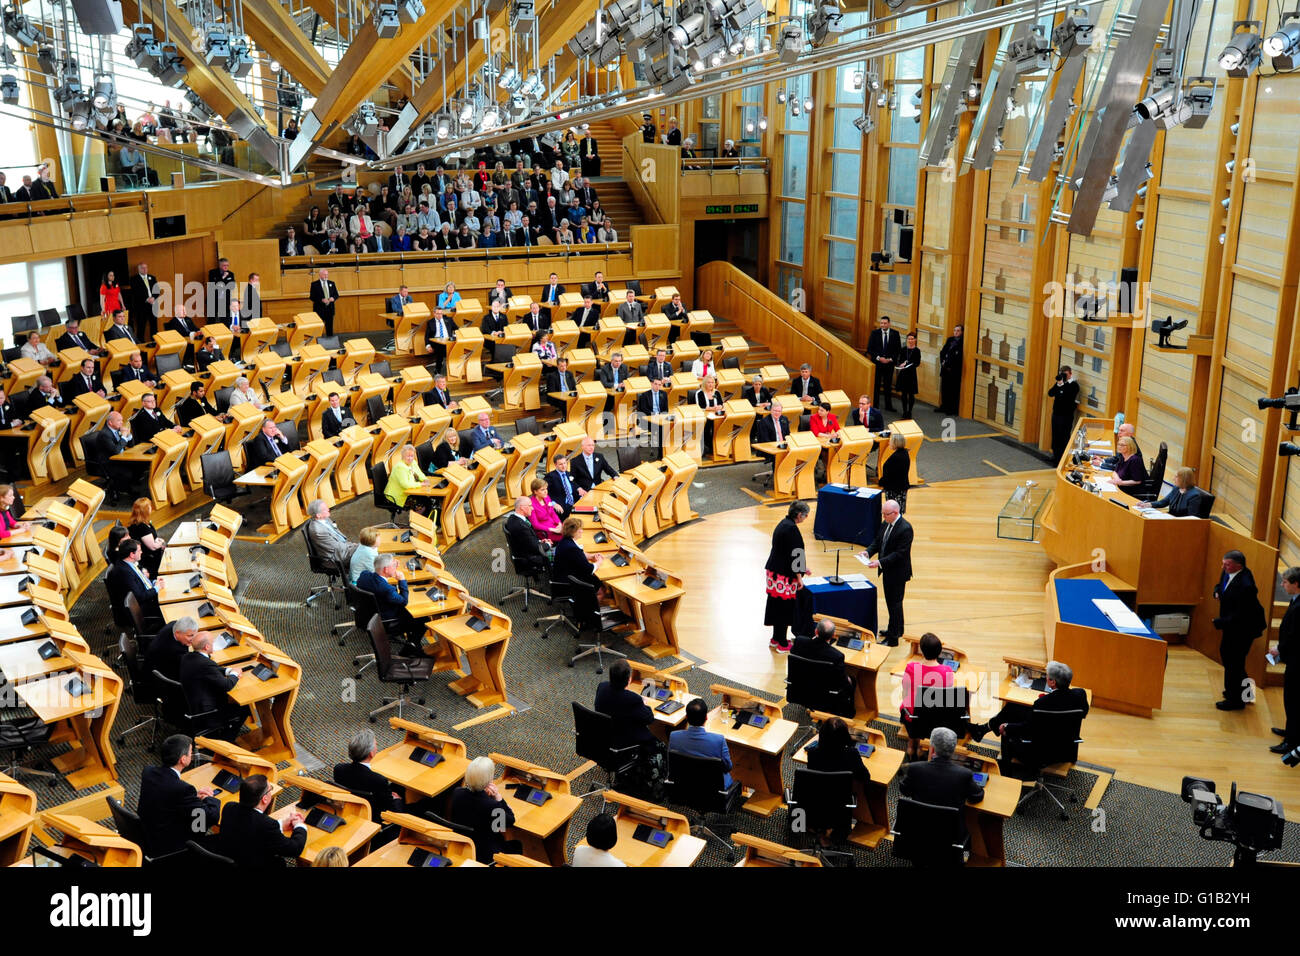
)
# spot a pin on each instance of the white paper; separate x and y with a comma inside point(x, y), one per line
point(859, 585)
point(1101, 445)
point(808, 582)
point(1152, 513)
point(1120, 615)
point(1025, 681)
point(854, 577)
point(862, 556)
point(868, 492)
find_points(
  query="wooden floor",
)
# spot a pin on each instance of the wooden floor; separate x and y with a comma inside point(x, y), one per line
point(985, 596)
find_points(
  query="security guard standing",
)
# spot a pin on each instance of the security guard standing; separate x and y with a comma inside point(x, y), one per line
point(648, 128)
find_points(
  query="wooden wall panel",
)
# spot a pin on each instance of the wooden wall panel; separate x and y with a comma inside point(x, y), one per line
point(1275, 137)
point(254, 255)
point(1238, 455)
point(1262, 241)
point(1182, 227)
point(1251, 320)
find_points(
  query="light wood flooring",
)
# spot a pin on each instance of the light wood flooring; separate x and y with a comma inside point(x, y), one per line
point(984, 595)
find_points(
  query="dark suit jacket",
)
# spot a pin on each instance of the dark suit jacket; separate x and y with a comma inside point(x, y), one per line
point(8, 414)
point(390, 600)
point(444, 455)
point(814, 387)
point(184, 326)
point(632, 717)
point(586, 318)
point(765, 429)
point(165, 653)
point(141, 287)
point(659, 370)
point(546, 289)
point(395, 305)
point(493, 323)
point(643, 402)
point(607, 373)
point(169, 808)
point(583, 476)
point(252, 839)
point(203, 358)
point(815, 649)
point(115, 331)
point(943, 783)
point(481, 813)
point(839, 760)
point(364, 782)
point(122, 579)
point(1061, 699)
point(144, 426)
point(555, 489)
point(1065, 398)
point(128, 374)
point(524, 544)
point(555, 384)
point(707, 402)
point(318, 298)
point(192, 408)
point(875, 419)
point(1288, 633)
point(205, 684)
point(896, 559)
point(330, 425)
point(77, 386)
point(569, 560)
point(431, 329)
point(895, 473)
point(34, 398)
point(261, 452)
point(877, 349)
point(1241, 614)
point(1181, 503)
point(764, 395)
point(79, 341)
point(435, 397)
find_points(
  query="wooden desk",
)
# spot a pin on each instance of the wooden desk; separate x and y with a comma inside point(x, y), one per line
point(395, 763)
point(731, 432)
point(485, 685)
point(674, 504)
point(649, 479)
point(310, 362)
point(92, 841)
point(465, 356)
point(543, 829)
point(658, 687)
point(733, 346)
point(985, 819)
point(587, 409)
point(525, 451)
point(760, 852)
point(351, 476)
point(405, 326)
point(232, 759)
point(44, 453)
point(792, 472)
point(966, 676)
point(89, 717)
point(846, 462)
point(567, 439)
point(755, 752)
point(272, 702)
point(655, 608)
point(352, 836)
point(629, 813)
point(862, 665)
point(13, 629)
point(92, 412)
point(871, 816)
point(357, 355)
point(417, 833)
point(17, 820)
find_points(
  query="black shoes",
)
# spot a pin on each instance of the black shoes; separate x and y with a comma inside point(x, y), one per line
point(1230, 705)
point(1280, 748)
point(1279, 731)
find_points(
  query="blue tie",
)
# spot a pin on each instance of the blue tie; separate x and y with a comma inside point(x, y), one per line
point(568, 490)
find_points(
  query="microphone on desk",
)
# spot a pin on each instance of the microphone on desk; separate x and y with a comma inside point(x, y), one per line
point(835, 578)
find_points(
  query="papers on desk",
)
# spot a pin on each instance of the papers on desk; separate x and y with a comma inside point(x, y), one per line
point(859, 585)
point(859, 492)
point(1120, 616)
point(1101, 445)
point(1152, 513)
point(1024, 681)
point(1105, 484)
point(810, 582)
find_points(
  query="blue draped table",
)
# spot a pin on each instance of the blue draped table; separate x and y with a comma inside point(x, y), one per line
point(843, 515)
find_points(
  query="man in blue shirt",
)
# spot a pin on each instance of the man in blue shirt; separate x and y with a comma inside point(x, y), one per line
point(694, 741)
point(387, 584)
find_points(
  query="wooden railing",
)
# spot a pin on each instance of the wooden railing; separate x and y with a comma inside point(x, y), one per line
point(653, 174)
point(87, 222)
point(765, 317)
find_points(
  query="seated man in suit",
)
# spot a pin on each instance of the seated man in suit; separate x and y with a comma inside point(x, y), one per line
point(253, 839)
point(357, 777)
point(335, 417)
point(74, 338)
point(597, 287)
point(560, 380)
point(525, 547)
point(114, 438)
point(169, 646)
point(119, 329)
point(806, 387)
point(493, 328)
point(440, 394)
point(329, 543)
point(866, 415)
point(562, 487)
point(483, 435)
point(632, 717)
point(771, 428)
point(269, 445)
point(614, 374)
point(500, 293)
point(821, 647)
point(172, 811)
point(41, 395)
point(85, 382)
point(550, 296)
point(387, 584)
point(939, 781)
point(586, 319)
point(590, 466)
point(660, 368)
point(211, 352)
point(438, 331)
point(126, 576)
point(206, 685)
point(1125, 430)
point(148, 421)
point(397, 303)
point(694, 741)
point(1013, 720)
point(676, 312)
point(184, 326)
point(135, 370)
point(197, 405)
point(630, 311)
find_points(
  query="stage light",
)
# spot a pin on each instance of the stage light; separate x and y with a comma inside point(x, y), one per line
point(522, 14)
point(1074, 36)
point(794, 107)
point(274, 66)
point(827, 21)
point(1241, 56)
point(216, 45)
point(865, 123)
point(410, 11)
point(510, 78)
point(1230, 165)
point(19, 26)
point(466, 114)
point(807, 104)
point(780, 95)
point(762, 122)
point(490, 119)
point(387, 20)
point(171, 69)
point(442, 125)
point(79, 110)
point(882, 100)
point(9, 89)
point(856, 80)
point(48, 60)
point(1283, 46)
point(198, 109)
point(790, 45)
point(143, 49)
point(748, 45)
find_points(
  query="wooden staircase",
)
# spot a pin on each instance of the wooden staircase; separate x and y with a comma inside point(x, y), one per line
point(610, 143)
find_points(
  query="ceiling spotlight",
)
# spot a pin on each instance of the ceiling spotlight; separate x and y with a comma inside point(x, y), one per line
point(973, 92)
point(490, 119)
point(387, 20)
point(48, 60)
point(79, 110)
point(1235, 128)
point(19, 26)
point(409, 11)
point(807, 104)
point(533, 86)
point(827, 21)
point(1230, 165)
point(198, 109)
point(790, 45)
point(9, 89)
point(241, 61)
point(70, 87)
point(1283, 46)
point(762, 122)
point(780, 94)
point(1140, 223)
point(882, 100)
point(1223, 238)
point(743, 13)
point(1241, 56)
point(171, 68)
point(274, 66)
point(748, 45)
point(735, 47)
point(997, 144)
point(794, 107)
point(466, 114)
point(510, 78)
point(1074, 36)
point(873, 81)
point(865, 123)
point(715, 60)
point(365, 122)
point(856, 79)
point(105, 95)
point(1226, 202)
point(216, 44)
point(522, 13)
point(442, 125)
point(143, 49)
point(765, 45)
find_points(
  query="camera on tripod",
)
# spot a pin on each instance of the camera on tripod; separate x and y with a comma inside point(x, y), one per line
point(1251, 822)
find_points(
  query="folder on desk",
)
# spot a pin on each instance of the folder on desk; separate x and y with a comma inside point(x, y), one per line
point(1120, 616)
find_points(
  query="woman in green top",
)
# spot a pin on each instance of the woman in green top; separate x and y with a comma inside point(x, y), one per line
point(406, 475)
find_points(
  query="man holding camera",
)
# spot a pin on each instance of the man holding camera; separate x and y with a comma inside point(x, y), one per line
point(1065, 399)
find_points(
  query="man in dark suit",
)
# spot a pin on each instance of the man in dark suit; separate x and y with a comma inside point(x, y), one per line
point(387, 584)
point(867, 414)
point(562, 487)
point(536, 319)
point(892, 554)
point(438, 331)
point(120, 330)
point(87, 381)
point(169, 646)
point(1288, 650)
point(148, 421)
point(525, 548)
point(1023, 741)
point(9, 415)
point(357, 777)
point(586, 319)
point(653, 402)
point(599, 290)
point(500, 293)
point(807, 387)
point(115, 438)
point(615, 373)
point(135, 370)
point(41, 395)
point(197, 405)
point(590, 466)
point(207, 685)
point(171, 810)
point(183, 325)
point(126, 576)
point(1241, 619)
point(493, 328)
point(772, 427)
point(882, 348)
point(335, 417)
point(74, 338)
point(632, 717)
point(440, 394)
point(144, 294)
point(6, 194)
point(660, 368)
point(324, 294)
point(397, 303)
point(550, 297)
point(821, 647)
point(221, 290)
point(269, 445)
point(1065, 399)
point(939, 781)
point(291, 245)
point(250, 837)
point(484, 435)
point(560, 380)
point(252, 298)
point(1013, 719)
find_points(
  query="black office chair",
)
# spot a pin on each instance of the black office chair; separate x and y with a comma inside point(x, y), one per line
point(629, 456)
point(1150, 490)
point(219, 477)
point(203, 857)
point(594, 733)
point(1050, 750)
point(635, 286)
point(130, 827)
point(74, 311)
point(11, 354)
point(405, 671)
point(283, 349)
point(375, 409)
point(465, 442)
point(333, 375)
point(363, 607)
point(817, 685)
point(382, 368)
point(697, 784)
point(424, 457)
point(939, 707)
point(221, 398)
point(177, 712)
point(330, 343)
point(290, 432)
point(48, 317)
point(141, 691)
point(526, 425)
point(503, 354)
point(169, 362)
point(320, 565)
point(142, 625)
point(379, 482)
point(587, 616)
point(21, 732)
point(731, 362)
point(819, 802)
point(529, 577)
point(1205, 504)
point(22, 324)
point(927, 834)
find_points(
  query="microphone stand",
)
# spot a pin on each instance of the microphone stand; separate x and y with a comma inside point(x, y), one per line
point(835, 578)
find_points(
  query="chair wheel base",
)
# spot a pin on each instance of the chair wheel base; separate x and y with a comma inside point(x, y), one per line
point(373, 719)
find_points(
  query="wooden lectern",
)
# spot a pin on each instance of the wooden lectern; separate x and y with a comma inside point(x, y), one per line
point(674, 504)
point(407, 326)
point(587, 409)
point(44, 454)
point(262, 334)
point(356, 358)
point(304, 330)
point(484, 503)
point(465, 356)
point(607, 338)
point(245, 420)
point(847, 461)
point(568, 439)
point(731, 432)
point(409, 393)
point(92, 412)
point(310, 362)
point(521, 464)
point(521, 382)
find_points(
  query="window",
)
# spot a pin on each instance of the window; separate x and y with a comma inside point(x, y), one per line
point(844, 218)
point(902, 177)
point(792, 217)
point(839, 261)
point(28, 286)
point(794, 162)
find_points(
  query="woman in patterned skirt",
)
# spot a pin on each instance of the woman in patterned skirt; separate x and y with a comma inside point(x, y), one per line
point(786, 564)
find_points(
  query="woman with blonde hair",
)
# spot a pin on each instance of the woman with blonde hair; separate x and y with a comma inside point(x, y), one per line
point(1130, 472)
point(896, 472)
point(331, 856)
point(1184, 498)
point(404, 478)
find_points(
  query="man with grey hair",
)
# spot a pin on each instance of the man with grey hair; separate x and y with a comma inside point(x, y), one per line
point(821, 647)
point(1241, 619)
point(329, 543)
point(388, 585)
point(1014, 720)
point(891, 553)
point(940, 781)
point(357, 776)
point(169, 646)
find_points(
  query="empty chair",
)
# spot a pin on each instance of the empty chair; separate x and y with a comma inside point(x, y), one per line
point(141, 692)
point(634, 285)
point(332, 375)
point(330, 343)
point(382, 368)
point(48, 317)
point(22, 324)
point(731, 362)
point(526, 424)
point(74, 312)
point(170, 362)
point(588, 617)
point(18, 737)
point(376, 409)
point(221, 398)
point(283, 349)
point(629, 456)
point(424, 457)
point(817, 685)
point(219, 477)
point(1150, 491)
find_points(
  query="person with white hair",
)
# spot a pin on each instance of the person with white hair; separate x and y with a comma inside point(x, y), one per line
point(243, 393)
point(729, 150)
point(329, 543)
point(940, 781)
point(1013, 719)
point(478, 804)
